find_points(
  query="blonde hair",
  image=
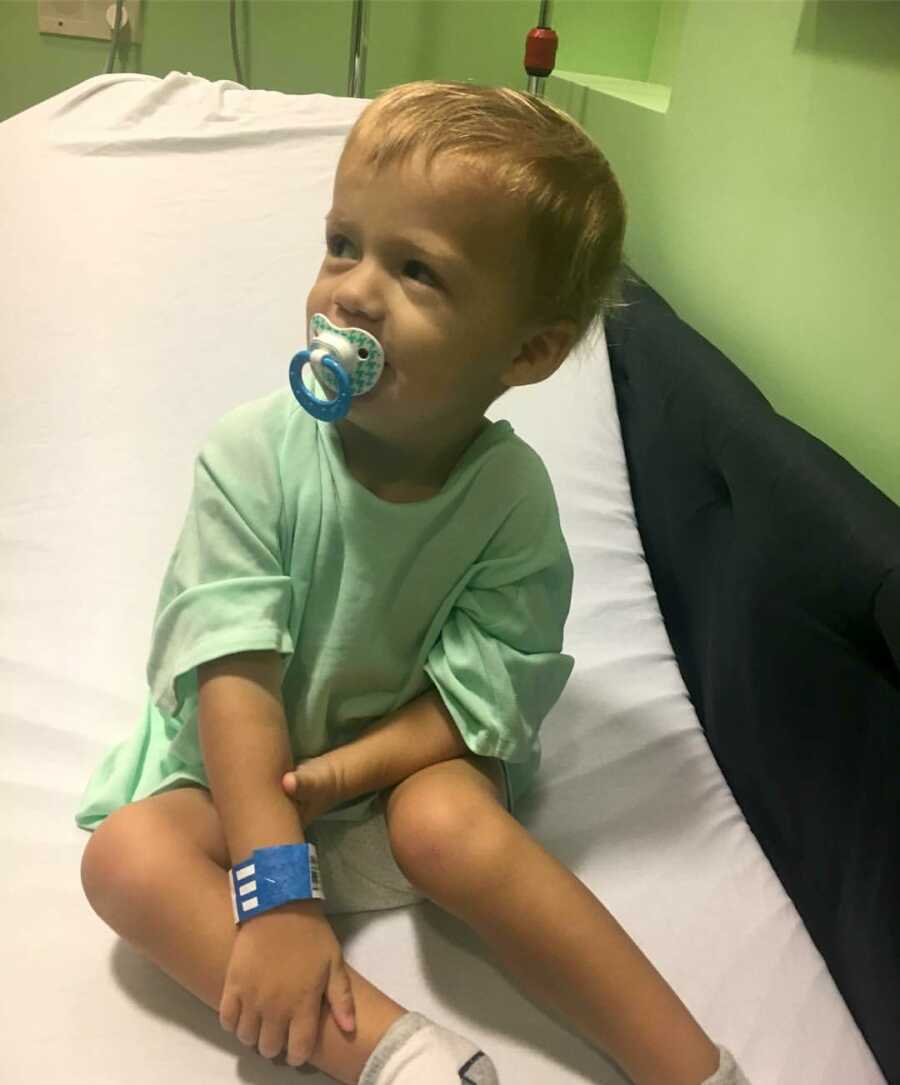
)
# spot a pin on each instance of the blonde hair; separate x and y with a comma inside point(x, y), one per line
point(532, 153)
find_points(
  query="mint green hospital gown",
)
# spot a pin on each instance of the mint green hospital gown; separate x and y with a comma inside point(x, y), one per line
point(369, 602)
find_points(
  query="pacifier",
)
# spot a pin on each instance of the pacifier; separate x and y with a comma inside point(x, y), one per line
point(346, 361)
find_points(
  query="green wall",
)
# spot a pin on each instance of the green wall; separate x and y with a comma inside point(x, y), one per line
point(765, 203)
point(763, 197)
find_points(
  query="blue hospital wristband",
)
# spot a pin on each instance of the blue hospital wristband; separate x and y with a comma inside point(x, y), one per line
point(273, 876)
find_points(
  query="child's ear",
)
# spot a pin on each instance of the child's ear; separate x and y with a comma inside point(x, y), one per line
point(541, 355)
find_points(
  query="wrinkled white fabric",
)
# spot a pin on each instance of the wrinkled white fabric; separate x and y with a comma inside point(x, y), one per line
point(160, 237)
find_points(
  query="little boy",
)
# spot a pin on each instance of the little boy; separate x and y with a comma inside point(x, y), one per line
point(383, 599)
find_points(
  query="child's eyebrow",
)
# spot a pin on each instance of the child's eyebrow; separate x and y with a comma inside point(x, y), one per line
point(448, 257)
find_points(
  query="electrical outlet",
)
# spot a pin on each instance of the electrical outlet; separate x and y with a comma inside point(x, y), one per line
point(89, 19)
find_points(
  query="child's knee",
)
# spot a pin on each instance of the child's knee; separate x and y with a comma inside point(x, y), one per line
point(440, 844)
point(122, 869)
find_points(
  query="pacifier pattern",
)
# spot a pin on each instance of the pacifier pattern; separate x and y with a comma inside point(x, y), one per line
point(346, 361)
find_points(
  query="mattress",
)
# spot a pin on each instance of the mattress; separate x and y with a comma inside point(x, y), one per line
point(160, 237)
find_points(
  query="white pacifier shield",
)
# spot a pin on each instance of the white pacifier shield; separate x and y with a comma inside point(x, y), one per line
point(359, 354)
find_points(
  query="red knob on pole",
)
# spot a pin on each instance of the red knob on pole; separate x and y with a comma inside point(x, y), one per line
point(540, 51)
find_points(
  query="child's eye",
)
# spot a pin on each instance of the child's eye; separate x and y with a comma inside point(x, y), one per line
point(335, 242)
point(419, 264)
point(335, 239)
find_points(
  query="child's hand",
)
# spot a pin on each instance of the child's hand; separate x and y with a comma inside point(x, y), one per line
point(315, 785)
point(283, 965)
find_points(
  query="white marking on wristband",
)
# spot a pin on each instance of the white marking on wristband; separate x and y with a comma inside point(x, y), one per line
point(250, 887)
point(247, 905)
point(245, 872)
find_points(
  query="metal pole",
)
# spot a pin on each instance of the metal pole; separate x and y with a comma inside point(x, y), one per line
point(535, 82)
point(356, 77)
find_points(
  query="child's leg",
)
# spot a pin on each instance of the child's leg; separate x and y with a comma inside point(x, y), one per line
point(455, 842)
point(155, 871)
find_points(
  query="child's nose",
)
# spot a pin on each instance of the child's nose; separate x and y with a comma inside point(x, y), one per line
point(357, 295)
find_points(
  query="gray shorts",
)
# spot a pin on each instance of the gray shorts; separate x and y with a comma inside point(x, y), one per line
point(358, 869)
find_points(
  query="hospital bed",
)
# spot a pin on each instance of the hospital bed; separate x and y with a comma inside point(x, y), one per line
point(722, 769)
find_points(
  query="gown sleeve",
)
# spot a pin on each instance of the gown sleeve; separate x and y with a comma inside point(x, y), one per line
point(226, 588)
point(498, 662)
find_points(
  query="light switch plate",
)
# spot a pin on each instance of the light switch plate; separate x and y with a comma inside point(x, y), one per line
point(88, 19)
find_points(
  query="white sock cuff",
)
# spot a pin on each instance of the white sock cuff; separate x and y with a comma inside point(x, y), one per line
point(395, 1037)
point(416, 1049)
point(729, 1073)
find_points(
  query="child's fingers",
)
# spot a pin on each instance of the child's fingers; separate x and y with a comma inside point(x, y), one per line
point(289, 782)
point(339, 994)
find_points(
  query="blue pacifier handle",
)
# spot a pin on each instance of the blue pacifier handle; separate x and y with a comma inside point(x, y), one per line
point(328, 410)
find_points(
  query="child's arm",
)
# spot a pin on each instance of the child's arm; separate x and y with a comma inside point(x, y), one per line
point(419, 734)
point(246, 750)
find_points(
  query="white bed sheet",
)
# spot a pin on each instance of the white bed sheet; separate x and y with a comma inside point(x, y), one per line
point(159, 239)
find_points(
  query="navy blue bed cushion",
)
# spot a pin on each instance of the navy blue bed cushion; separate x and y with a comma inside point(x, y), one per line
point(777, 567)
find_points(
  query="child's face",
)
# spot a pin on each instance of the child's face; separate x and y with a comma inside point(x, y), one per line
point(448, 313)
